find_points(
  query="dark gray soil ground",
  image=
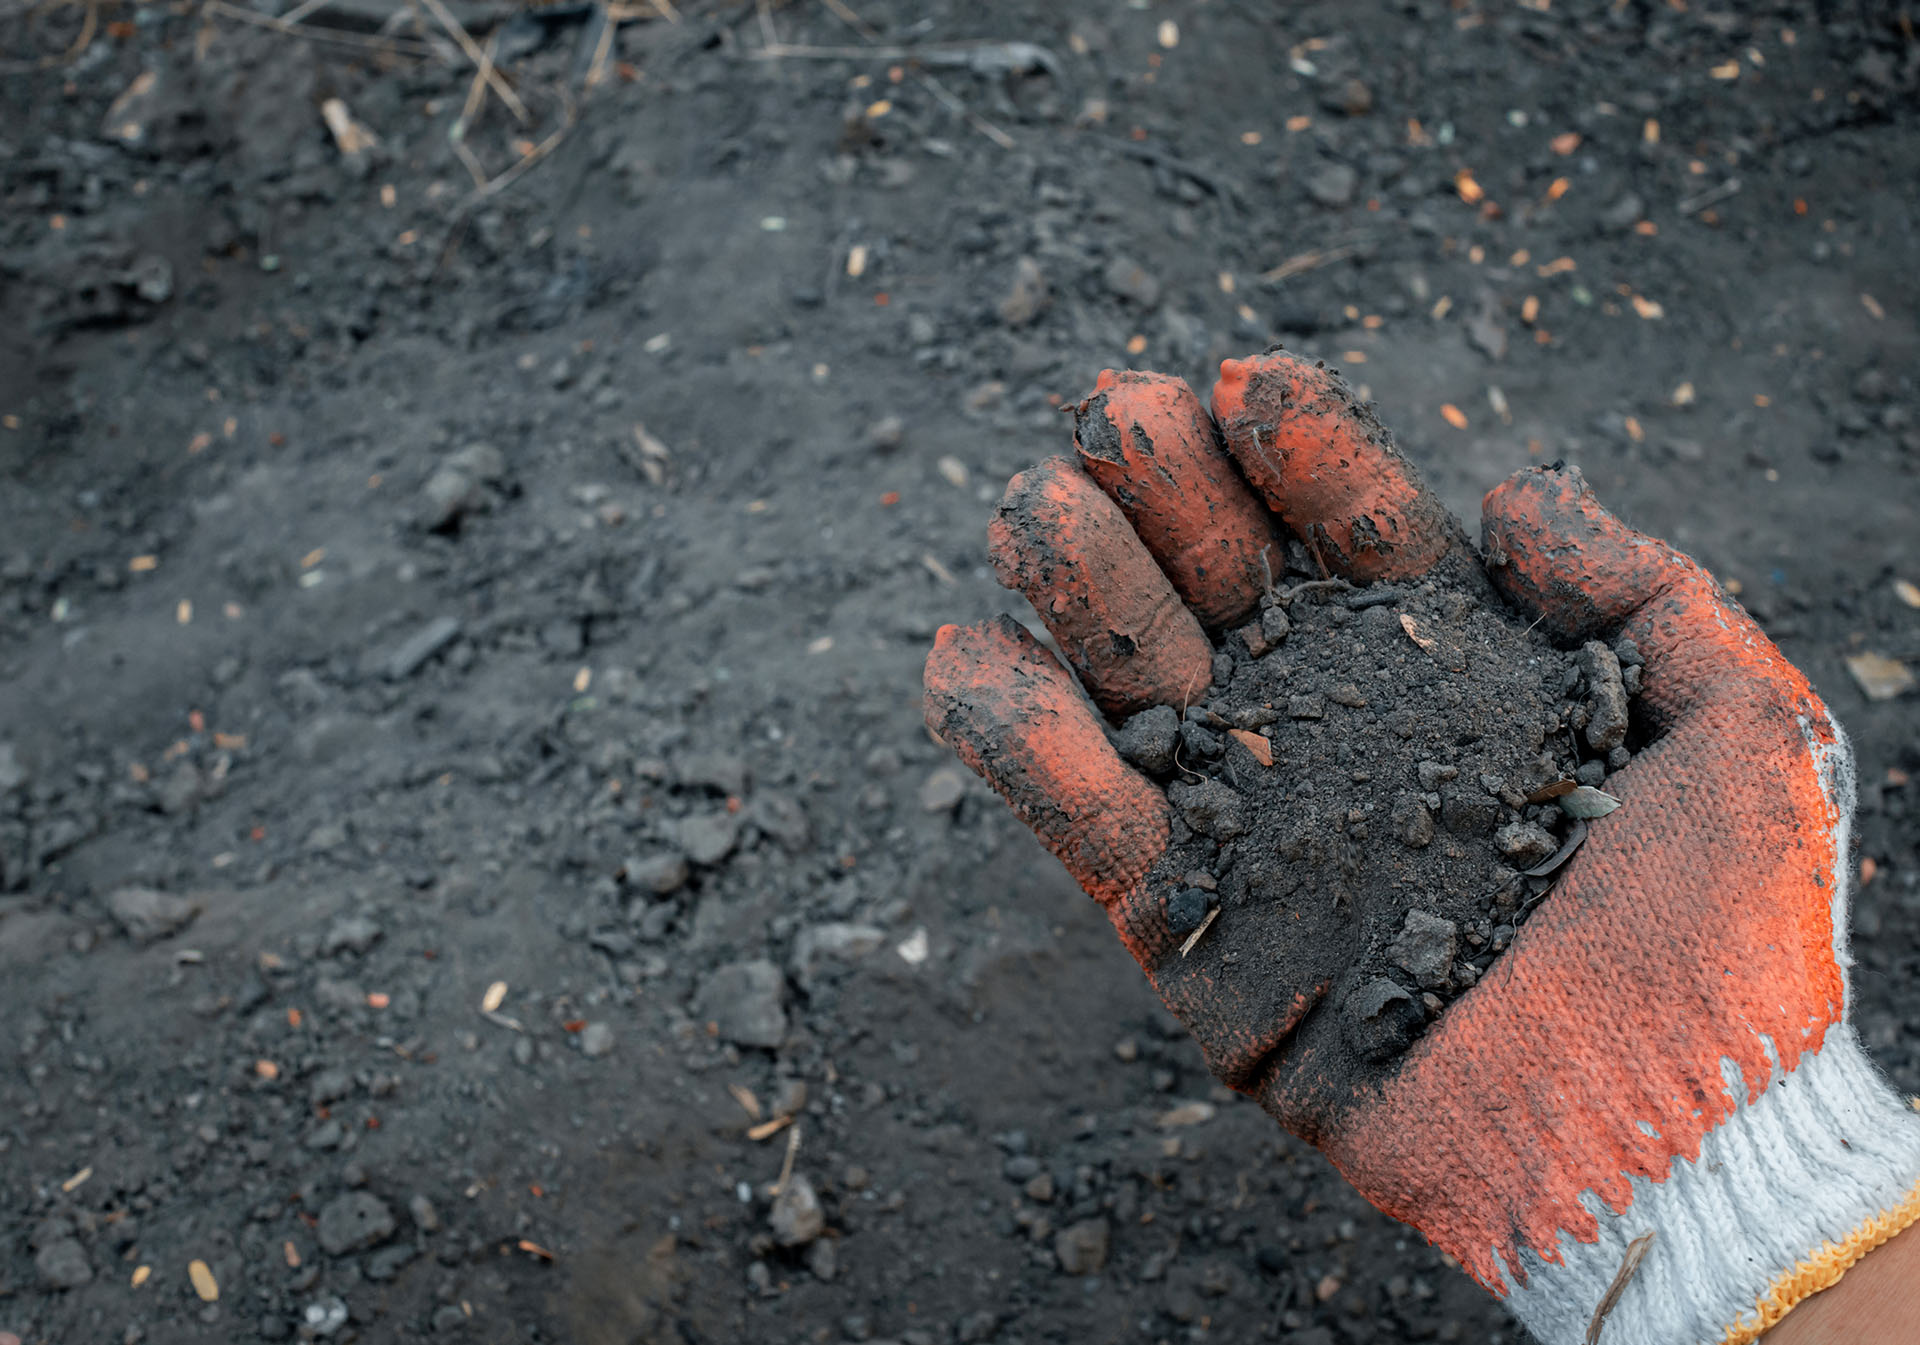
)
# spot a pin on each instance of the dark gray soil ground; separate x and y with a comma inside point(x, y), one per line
point(1374, 794)
point(402, 594)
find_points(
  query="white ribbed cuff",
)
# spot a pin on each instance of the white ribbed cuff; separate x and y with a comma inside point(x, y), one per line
point(1794, 1177)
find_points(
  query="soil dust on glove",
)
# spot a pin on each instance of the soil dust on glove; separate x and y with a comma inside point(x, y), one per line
point(1376, 791)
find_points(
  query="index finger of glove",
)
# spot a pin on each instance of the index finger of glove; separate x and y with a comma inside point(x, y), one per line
point(1066, 546)
point(1011, 712)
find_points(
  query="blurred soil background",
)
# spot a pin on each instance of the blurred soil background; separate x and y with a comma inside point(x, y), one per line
point(467, 549)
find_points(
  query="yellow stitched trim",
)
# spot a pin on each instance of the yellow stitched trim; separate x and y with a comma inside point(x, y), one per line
point(1822, 1270)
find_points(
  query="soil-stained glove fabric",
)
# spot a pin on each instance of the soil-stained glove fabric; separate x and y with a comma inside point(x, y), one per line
point(1663, 1049)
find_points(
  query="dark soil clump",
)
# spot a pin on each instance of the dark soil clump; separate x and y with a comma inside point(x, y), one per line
point(1427, 753)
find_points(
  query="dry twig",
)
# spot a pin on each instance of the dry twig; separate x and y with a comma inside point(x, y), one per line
point(479, 58)
point(1194, 938)
point(772, 49)
point(304, 9)
point(786, 1168)
point(1286, 596)
point(1711, 196)
point(1636, 1252)
point(476, 101)
point(398, 46)
point(602, 48)
point(1307, 261)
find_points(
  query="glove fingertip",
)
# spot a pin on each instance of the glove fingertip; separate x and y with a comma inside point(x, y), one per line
point(1013, 715)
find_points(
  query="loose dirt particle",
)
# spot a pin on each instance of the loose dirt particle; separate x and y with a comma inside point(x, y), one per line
point(1418, 746)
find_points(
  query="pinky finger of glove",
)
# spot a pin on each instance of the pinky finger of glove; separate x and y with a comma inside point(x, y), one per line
point(1012, 713)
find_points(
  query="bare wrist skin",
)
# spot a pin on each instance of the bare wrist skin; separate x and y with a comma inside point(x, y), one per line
point(1875, 1303)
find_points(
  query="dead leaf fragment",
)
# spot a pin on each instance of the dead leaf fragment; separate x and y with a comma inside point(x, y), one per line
point(1909, 593)
point(654, 455)
point(1187, 1114)
point(1880, 678)
point(768, 1129)
point(1413, 633)
point(748, 1102)
point(352, 138)
point(1586, 802)
point(496, 996)
point(1548, 792)
point(203, 1282)
point(1262, 749)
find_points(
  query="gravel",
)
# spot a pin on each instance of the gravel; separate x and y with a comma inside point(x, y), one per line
point(745, 1000)
point(147, 915)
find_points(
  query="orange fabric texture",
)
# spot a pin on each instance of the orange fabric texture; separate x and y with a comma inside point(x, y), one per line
point(1628, 988)
point(1695, 926)
point(1008, 708)
point(1011, 713)
point(1069, 549)
point(1329, 468)
point(1152, 448)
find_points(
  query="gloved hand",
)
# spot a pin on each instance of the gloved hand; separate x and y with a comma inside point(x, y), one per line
point(1664, 1048)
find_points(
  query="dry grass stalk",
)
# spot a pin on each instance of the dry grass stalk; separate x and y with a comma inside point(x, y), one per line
point(1636, 1252)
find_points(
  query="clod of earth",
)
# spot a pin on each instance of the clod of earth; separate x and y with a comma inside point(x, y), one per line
point(412, 653)
point(1357, 808)
point(657, 875)
point(63, 1264)
point(354, 1222)
point(745, 1001)
point(1082, 1247)
point(942, 790)
point(147, 915)
point(467, 482)
point(708, 838)
point(796, 1218)
point(819, 945)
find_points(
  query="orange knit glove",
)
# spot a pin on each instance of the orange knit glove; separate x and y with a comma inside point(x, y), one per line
point(1663, 1049)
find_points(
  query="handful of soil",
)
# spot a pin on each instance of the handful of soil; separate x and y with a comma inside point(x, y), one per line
point(1376, 791)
